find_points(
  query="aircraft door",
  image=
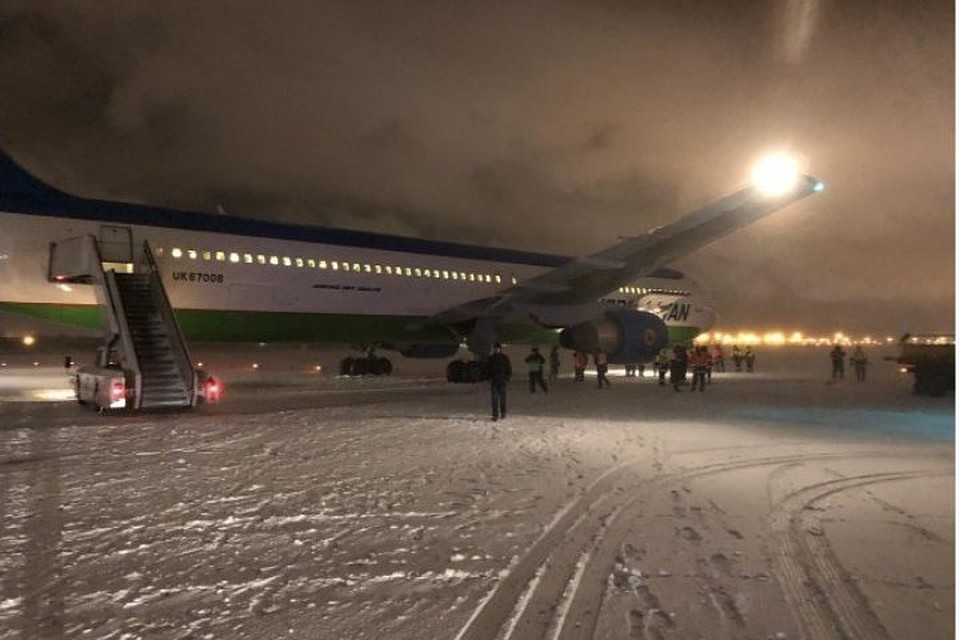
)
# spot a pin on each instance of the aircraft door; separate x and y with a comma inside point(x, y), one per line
point(116, 244)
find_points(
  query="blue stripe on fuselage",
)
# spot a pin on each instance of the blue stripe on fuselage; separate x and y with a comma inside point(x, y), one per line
point(21, 192)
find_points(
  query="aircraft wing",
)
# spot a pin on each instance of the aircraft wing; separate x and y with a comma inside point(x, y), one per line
point(588, 278)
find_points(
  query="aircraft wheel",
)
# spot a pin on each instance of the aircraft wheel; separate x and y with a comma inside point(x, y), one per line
point(383, 367)
point(360, 367)
point(455, 372)
point(346, 367)
point(475, 371)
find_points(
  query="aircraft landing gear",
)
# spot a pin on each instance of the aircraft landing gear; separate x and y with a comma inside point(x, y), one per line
point(370, 365)
point(472, 371)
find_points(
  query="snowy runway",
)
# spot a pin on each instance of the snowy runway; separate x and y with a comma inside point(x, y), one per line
point(766, 507)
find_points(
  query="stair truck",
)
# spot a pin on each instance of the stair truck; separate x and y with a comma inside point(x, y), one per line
point(930, 358)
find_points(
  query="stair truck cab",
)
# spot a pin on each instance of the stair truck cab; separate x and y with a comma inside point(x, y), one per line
point(930, 358)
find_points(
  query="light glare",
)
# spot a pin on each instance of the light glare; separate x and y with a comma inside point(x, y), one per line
point(775, 175)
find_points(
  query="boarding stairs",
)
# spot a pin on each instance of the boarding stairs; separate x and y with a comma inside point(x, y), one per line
point(143, 336)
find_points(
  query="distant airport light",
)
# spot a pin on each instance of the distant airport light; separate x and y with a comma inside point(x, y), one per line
point(775, 175)
point(255, 366)
point(29, 341)
point(819, 186)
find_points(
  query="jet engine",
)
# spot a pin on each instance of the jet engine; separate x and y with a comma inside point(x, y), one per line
point(625, 335)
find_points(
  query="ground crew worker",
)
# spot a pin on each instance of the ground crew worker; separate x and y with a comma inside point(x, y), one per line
point(698, 361)
point(837, 354)
point(535, 363)
point(717, 357)
point(579, 365)
point(749, 357)
point(500, 371)
point(859, 362)
point(554, 363)
point(662, 364)
point(737, 358)
point(600, 360)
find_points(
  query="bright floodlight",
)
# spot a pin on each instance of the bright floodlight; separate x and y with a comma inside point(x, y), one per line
point(775, 175)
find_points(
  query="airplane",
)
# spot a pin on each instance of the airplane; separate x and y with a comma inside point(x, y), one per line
point(237, 279)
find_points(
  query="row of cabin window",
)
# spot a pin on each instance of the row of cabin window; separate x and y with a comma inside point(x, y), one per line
point(355, 267)
point(642, 291)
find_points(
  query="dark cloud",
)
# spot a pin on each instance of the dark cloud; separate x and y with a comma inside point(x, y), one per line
point(556, 126)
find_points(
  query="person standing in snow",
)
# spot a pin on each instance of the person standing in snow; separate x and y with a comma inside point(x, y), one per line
point(837, 354)
point(579, 365)
point(499, 370)
point(554, 363)
point(600, 360)
point(859, 362)
point(678, 367)
point(535, 363)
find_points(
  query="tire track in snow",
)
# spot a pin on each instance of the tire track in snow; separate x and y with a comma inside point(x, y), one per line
point(826, 603)
point(570, 563)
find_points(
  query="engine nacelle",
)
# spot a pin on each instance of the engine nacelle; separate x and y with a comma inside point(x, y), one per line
point(625, 335)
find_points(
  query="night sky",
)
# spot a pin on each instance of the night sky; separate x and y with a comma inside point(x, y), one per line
point(551, 126)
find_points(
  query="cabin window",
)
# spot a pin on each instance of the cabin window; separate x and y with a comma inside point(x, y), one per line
point(298, 262)
point(377, 269)
point(176, 253)
point(311, 263)
point(407, 271)
point(345, 266)
point(287, 262)
point(206, 255)
point(367, 268)
point(322, 264)
point(335, 266)
point(274, 260)
point(356, 267)
point(416, 271)
point(389, 270)
point(234, 257)
point(192, 254)
point(248, 258)
point(513, 279)
point(221, 256)
point(497, 278)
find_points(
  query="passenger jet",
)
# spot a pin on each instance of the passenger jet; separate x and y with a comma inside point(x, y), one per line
point(237, 279)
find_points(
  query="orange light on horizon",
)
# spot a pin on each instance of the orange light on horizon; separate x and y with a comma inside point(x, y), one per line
point(776, 338)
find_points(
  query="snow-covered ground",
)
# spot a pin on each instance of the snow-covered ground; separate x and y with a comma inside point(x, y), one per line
point(773, 505)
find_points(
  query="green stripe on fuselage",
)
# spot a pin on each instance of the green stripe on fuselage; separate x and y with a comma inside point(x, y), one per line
point(262, 326)
point(257, 326)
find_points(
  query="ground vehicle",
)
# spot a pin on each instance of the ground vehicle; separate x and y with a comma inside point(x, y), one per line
point(107, 385)
point(930, 358)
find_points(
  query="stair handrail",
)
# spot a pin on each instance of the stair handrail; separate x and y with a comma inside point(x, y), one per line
point(117, 319)
point(181, 353)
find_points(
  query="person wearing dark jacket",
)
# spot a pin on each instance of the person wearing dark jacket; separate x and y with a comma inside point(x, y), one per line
point(837, 354)
point(499, 370)
point(535, 363)
point(678, 367)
